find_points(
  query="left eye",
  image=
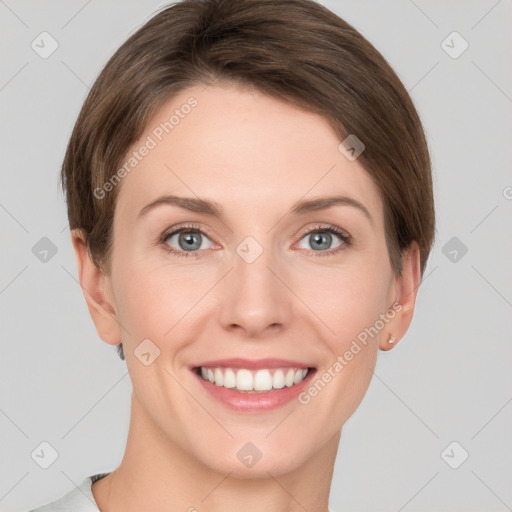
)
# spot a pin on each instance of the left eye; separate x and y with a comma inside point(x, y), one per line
point(191, 240)
point(321, 240)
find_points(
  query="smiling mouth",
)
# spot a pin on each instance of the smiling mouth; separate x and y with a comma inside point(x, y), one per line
point(253, 381)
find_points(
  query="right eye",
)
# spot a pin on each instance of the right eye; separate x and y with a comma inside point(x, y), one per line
point(186, 240)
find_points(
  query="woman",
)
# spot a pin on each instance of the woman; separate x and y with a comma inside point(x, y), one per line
point(250, 200)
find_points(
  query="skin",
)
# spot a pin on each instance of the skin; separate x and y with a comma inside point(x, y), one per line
point(255, 156)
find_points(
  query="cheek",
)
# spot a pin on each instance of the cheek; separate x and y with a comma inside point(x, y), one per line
point(155, 299)
point(346, 299)
point(350, 301)
point(350, 307)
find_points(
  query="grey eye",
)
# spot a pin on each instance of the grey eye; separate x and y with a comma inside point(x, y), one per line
point(188, 240)
point(321, 240)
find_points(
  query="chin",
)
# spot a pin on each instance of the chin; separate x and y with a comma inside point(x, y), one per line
point(256, 460)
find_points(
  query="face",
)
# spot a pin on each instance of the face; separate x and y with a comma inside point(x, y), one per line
point(228, 256)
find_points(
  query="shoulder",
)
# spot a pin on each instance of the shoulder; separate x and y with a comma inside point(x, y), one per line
point(79, 499)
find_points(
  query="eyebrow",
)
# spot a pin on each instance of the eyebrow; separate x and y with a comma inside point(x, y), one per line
point(192, 204)
point(302, 207)
point(323, 203)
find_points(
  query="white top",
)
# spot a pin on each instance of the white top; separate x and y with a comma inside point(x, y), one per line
point(80, 499)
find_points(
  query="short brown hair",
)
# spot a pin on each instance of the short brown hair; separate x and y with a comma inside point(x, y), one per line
point(294, 50)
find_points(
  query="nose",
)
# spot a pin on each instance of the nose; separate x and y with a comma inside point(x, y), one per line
point(253, 298)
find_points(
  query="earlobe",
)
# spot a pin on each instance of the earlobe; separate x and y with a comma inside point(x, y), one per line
point(97, 291)
point(406, 288)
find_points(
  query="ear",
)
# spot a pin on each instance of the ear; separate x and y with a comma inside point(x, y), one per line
point(406, 289)
point(97, 289)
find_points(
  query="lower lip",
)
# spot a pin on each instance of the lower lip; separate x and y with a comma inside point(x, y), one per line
point(246, 401)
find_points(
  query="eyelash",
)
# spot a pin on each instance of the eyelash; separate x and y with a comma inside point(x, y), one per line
point(320, 228)
point(179, 229)
point(346, 239)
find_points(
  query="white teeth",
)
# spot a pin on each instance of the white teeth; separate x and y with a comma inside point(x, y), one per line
point(297, 378)
point(254, 380)
point(290, 374)
point(262, 380)
point(278, 380)
point(219, 378)
point(229, 378)
point(244, 381)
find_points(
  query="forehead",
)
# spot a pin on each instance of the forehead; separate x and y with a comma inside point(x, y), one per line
point(242, 149)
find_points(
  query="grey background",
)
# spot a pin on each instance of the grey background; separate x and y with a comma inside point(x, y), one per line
point(448, 380)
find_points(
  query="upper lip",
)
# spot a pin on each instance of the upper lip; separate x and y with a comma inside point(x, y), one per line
point(239, 362)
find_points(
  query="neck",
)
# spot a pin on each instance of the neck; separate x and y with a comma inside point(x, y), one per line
point(156, 474)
